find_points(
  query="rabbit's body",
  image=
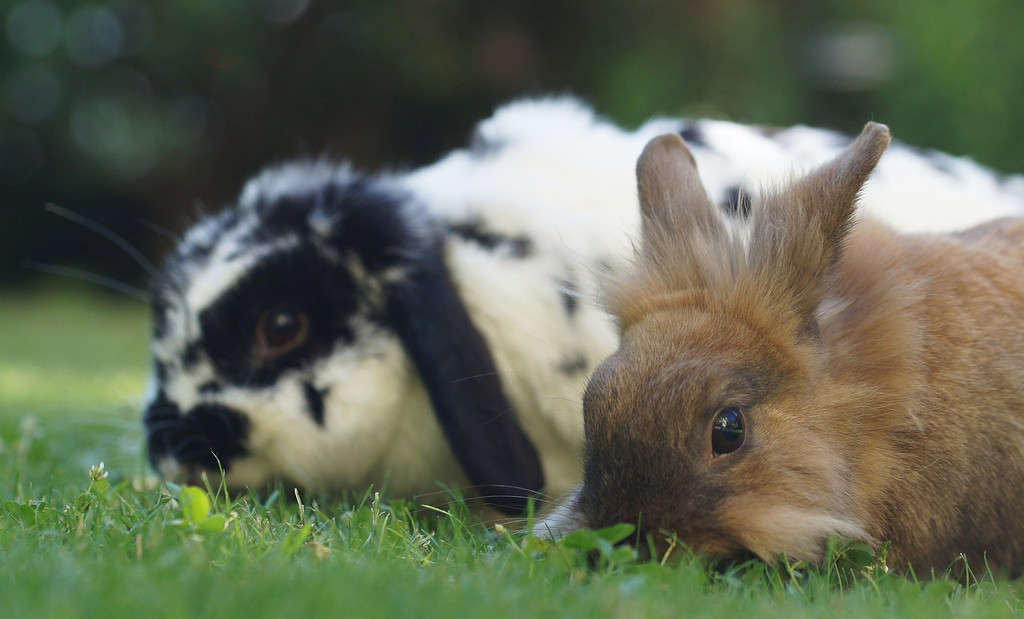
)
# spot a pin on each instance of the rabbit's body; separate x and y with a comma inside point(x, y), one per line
point(933, 328)
point(789, 380)
point(442, 318)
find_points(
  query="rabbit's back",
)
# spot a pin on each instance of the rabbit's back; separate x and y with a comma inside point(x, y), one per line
point(1004, 237)
point(938, 323)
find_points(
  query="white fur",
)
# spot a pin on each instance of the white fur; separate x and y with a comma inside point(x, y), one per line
point(548, 170)
point(292, 179)
point(378, 426)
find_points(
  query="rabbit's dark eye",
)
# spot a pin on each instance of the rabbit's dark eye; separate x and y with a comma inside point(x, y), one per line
point(280, 330)
point(727, 431)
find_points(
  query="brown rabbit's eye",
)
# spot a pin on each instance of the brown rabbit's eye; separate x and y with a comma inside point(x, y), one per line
point(280, 330)
point(727, 431)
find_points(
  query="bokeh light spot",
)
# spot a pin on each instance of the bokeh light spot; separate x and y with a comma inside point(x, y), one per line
point(116, 135)
point(284, 11)
point(34, 28)
point(94, 36)
point(854, 57)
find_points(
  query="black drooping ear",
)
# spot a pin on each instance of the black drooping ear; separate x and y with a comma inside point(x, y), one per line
point(464, 386)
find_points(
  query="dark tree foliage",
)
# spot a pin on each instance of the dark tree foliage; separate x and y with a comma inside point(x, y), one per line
point(132, 111)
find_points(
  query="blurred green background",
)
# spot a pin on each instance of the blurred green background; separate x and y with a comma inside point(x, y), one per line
point(135, 112)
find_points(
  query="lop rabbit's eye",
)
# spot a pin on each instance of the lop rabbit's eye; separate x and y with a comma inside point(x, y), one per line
point(727, 431)
point(280, 330)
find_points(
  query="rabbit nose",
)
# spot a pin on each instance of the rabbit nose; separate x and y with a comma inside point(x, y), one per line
point(162, 420)
point(213, 436)
point(209, 436)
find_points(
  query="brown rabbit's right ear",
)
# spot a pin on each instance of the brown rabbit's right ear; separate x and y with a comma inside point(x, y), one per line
point(673, 202)
point(797, 235)
point(832, 190)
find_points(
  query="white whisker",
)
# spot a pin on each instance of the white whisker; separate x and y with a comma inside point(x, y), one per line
point(87, 276)
point(106, 233)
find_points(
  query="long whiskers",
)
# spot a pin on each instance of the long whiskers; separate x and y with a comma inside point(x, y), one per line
point(119, 241)
point(539, 497)
point(88, 276)
point(160, 230)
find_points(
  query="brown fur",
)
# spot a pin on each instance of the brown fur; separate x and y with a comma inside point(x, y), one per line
point(881, 376)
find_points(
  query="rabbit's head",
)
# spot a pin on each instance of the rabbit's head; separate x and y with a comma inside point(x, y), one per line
point(712, 421)
point(312, 332)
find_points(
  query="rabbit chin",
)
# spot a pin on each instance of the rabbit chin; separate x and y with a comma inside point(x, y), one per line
point(744, 526)
point(246, 472)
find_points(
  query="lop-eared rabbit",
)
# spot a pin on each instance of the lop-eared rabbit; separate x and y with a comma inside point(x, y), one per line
point(806, 374)
point(335, 329)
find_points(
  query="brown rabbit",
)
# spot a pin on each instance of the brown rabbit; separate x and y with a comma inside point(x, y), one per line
point(806, 376)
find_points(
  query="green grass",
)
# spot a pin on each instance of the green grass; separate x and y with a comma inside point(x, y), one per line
point(75, 543)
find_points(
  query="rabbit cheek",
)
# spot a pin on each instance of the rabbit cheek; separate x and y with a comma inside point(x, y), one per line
point(655, 486)
point(791, 500)
point(770, 530)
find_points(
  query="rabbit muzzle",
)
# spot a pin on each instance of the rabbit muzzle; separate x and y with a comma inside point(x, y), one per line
point(181, 445)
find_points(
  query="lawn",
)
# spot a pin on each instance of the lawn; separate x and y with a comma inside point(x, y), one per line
point(76, 540)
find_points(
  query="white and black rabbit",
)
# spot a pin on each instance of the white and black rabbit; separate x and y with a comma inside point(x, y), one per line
point(337, 329)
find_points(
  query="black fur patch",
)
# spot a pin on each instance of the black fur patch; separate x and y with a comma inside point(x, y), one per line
point(481, 146)
point(693, 136)
point(223, 220)
point(569, 291)
point(158, 312)
point(314, 402)
point(159, 370)
point(517, 246)
point(210, 387)
point(369, 220)
point(224, 430)
point(161, 419)
point(941, 162)
point(737, 201)
point(191, 355)
point(573, 365)
point(300, 278)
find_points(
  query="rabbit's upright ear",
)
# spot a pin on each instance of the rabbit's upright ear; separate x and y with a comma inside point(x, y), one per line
point(464, 386)
point(673, 202)
point(798, 233)
point(831, 191)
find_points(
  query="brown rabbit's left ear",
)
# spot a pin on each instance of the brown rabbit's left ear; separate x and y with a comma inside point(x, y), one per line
point(797, 234)
point(673, 202)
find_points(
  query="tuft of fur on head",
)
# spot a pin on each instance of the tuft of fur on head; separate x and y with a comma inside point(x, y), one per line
point(781, 255)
